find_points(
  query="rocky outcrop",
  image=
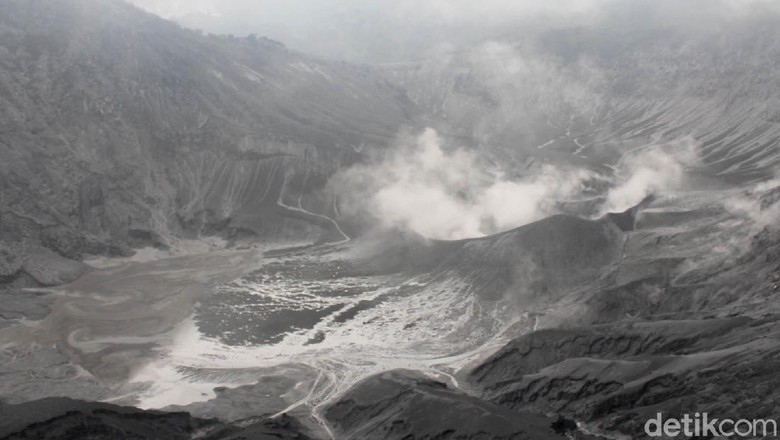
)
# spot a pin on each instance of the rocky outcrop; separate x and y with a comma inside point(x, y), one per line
point(615, 377)
point(20, 304)
point(408, 405)
point(533, 352)
point(58, 418)
point(24, 265)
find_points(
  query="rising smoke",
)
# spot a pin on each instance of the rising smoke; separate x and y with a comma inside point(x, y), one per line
point(426, 188)
point(451, 194)
point(759, 204)
point(652, 169)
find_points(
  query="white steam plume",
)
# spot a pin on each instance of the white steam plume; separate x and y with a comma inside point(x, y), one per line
point(651, 170)
point(749, 205)
point(449, 195)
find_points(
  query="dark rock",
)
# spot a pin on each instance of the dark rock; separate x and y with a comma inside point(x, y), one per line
point(535, 351)
point(25, 265)
point(626, 220)
point(615, 377)
point(408, 405)
point(65, 241)
point(564, 426)
point(10, 261)
point(19, 304)
point(60, 418)
point(542, 259)
point(51, 269)
point(283, 427)
point(140, 238)
point(71, 419)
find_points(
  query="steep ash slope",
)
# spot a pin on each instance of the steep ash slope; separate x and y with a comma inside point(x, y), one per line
point(542, 259)
point(559, 252)
point(121, 129)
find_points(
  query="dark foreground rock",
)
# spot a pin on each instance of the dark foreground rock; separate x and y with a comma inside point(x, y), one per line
point(59, 418)
point(616, 377)
point(408, 405)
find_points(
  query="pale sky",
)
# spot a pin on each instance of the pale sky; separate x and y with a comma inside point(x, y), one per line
point(392, 30)
point(364, 30)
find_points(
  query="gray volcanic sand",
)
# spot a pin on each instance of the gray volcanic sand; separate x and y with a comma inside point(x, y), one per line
point(108, 323)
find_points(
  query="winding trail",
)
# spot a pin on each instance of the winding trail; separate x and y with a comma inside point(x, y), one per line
point(301, 209)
